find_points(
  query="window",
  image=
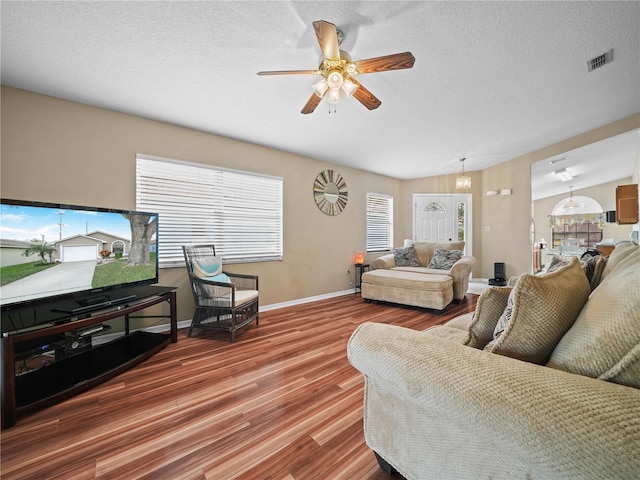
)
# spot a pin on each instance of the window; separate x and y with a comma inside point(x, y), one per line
point(379, 222)
point(239, 212)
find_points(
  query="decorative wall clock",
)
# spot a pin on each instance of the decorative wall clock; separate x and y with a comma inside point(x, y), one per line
point(330, 192)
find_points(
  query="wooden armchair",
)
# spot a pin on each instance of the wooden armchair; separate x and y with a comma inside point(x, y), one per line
point(224, 301)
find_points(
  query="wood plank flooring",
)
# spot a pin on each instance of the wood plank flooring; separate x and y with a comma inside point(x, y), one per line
point(282, 402)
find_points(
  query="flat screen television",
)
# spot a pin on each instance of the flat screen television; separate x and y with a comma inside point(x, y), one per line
point(73, 257)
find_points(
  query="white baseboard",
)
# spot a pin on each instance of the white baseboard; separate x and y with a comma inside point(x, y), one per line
point(163, 327)
point(300, 301)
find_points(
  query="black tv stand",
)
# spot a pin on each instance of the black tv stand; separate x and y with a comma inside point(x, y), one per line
point(91, 303)
point(69, 375)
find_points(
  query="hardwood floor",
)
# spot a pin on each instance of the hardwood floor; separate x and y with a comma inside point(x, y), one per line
point(282, 402)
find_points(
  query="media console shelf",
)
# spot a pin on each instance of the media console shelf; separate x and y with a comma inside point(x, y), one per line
point(70, 375)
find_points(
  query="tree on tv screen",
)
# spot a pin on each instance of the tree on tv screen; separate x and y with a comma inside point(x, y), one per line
point(142, 229)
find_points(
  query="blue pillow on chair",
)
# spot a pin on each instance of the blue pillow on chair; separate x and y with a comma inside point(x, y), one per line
point(207, 267)
point(219, 278)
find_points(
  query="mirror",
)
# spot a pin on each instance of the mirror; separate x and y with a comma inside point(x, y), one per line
point(330, 192)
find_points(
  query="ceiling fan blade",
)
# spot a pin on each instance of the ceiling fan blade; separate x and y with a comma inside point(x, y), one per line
point(365, 97)
point(328, 39)
point(289, 72)
point(397, 61)
point(311, 104)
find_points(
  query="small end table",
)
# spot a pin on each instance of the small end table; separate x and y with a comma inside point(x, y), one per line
point(360, 268)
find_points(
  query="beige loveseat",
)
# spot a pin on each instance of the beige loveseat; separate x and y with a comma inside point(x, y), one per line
point(542, 381)
point(459, 273)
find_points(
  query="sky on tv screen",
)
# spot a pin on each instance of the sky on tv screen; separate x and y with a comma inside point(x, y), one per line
point(27, 223)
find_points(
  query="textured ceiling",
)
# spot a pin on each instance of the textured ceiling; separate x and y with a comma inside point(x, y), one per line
point(491, 81)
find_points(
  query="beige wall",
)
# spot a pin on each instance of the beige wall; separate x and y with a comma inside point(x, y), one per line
point(64, 152)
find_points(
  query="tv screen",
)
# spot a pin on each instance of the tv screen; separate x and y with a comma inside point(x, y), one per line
point(66, 251)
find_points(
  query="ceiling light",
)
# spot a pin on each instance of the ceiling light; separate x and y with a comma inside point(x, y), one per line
point(349, 87)
point(571, 203)
point(563, 175)
point(334, 95)
point(335, 79)
point(556, 160)
point(463, 181)
point(321, 87)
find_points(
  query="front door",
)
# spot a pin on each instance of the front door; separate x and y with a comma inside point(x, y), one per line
point(442, 218)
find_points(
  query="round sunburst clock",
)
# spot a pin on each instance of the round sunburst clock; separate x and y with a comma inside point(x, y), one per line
point(330, 192)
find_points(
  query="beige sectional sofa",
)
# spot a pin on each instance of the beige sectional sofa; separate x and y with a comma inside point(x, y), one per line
point(418, 285)
point(542, 381)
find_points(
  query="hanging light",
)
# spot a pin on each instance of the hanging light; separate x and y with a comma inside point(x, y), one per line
point(571, 203)
point(464, 181)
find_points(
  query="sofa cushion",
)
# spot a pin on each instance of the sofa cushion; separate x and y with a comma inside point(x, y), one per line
point(424, 250)
point(405, 257)
point(618, 255)
point(604, 341)
point(444, 259)
point(539, 311)
point(410, 280)
point(489, 308)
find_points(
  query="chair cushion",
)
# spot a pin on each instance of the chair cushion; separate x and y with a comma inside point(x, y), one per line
point(444, 259)
point(245, 296)
point(207, 266)
point(539, 311)
point(604, 341)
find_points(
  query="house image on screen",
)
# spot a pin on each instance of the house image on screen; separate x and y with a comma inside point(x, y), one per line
point(88, 246)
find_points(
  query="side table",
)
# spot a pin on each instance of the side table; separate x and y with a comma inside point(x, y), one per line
point(360, 268)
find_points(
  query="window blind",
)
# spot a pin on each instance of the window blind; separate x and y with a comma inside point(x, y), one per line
point(379, 222)
point(239, 212)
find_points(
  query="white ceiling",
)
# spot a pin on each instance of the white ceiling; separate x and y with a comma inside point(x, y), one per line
point(491, 81)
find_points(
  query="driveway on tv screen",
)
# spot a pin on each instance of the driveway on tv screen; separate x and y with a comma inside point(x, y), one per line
point(63, 278)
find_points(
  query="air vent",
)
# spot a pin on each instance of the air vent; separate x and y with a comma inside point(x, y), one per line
point(600, 61)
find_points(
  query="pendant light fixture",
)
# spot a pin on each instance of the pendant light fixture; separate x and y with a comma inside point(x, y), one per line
point(464, 181)
point(571, 203)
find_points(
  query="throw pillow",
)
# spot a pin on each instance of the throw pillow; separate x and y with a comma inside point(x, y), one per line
point(556, 263)
point(444, 259)
point(539, 311)
point(207, 267)
point(604, 341)
point(222, 277)
point(490, 306)
point(601, 262)
point(405, 257)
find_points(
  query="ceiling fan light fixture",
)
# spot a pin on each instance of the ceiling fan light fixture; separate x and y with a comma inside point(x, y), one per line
point(320, 88)
point(334, 95)
point(463, 182)
point(335, 79)
point(349, 87)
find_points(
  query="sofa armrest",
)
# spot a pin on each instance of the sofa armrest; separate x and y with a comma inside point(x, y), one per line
point(460, 272)
point(573, 426)
point(384, 262)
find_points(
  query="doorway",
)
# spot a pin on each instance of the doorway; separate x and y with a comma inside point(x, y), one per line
point(443, 218)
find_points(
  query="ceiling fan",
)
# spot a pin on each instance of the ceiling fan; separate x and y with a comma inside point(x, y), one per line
point(337, 70)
